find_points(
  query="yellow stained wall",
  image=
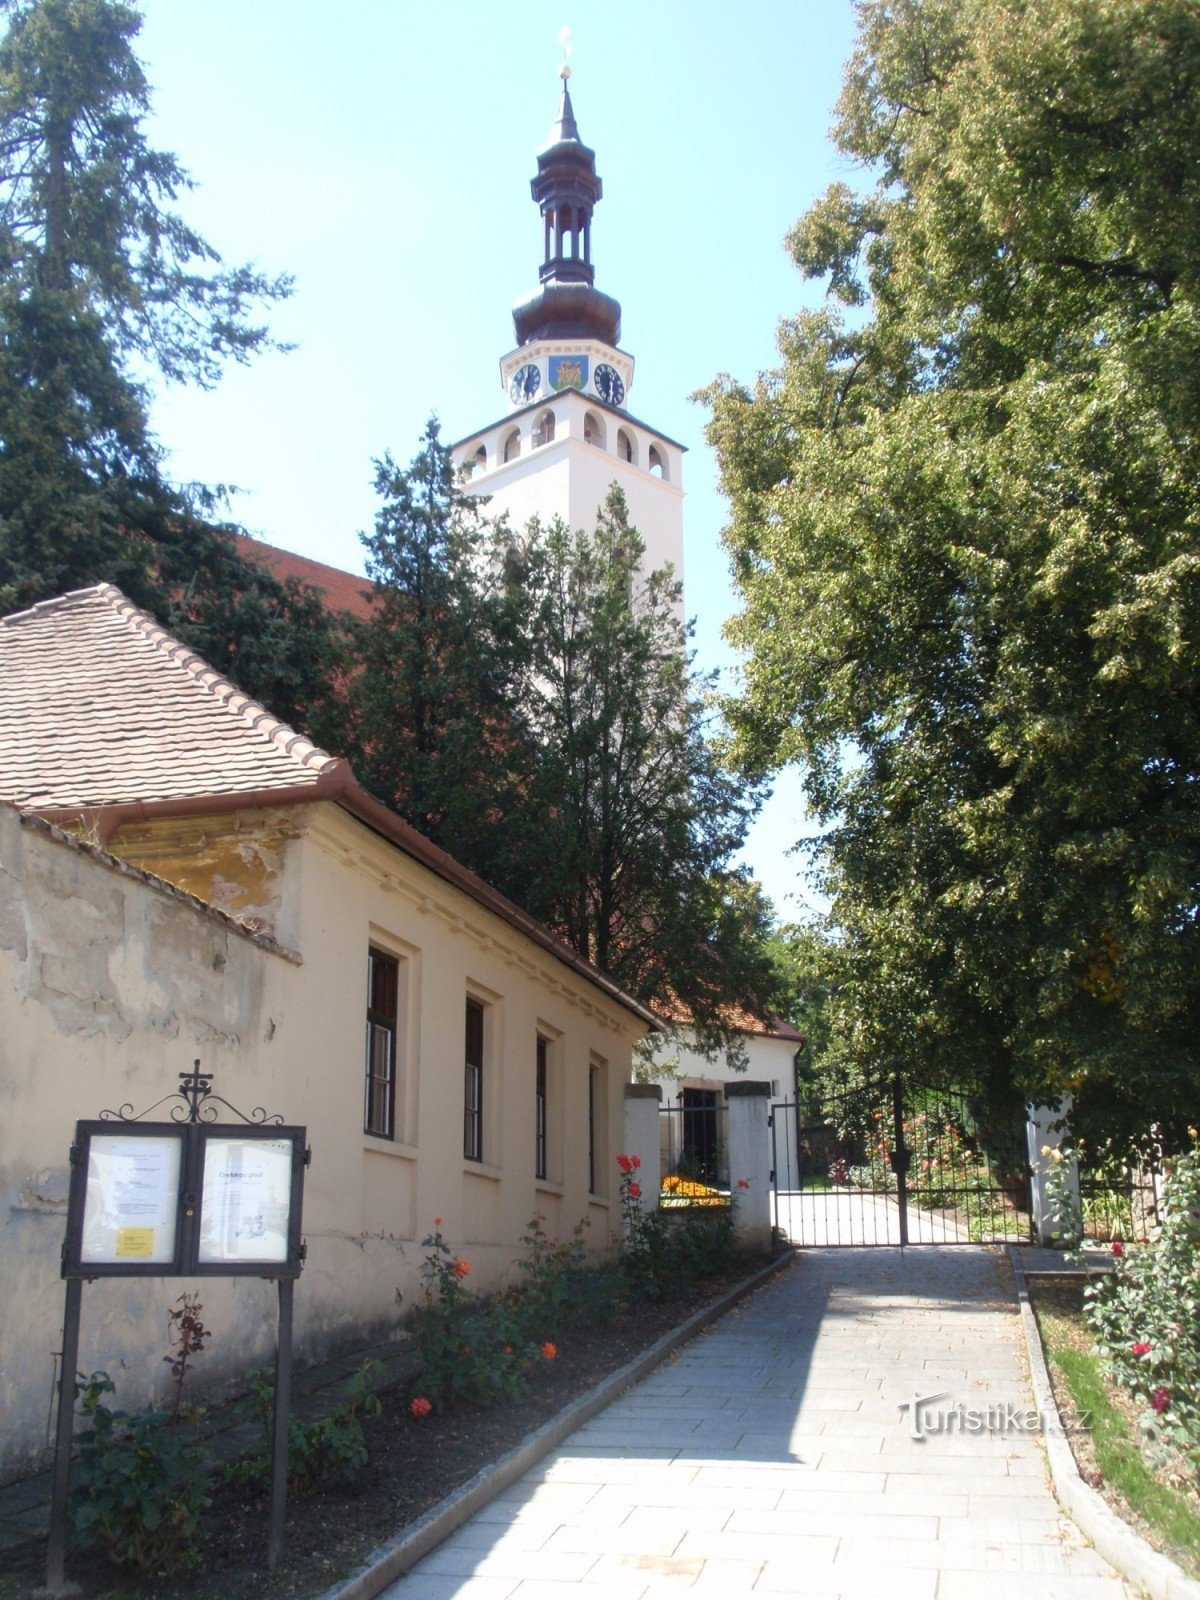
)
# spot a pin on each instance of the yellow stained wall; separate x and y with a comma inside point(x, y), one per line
point(109, 987)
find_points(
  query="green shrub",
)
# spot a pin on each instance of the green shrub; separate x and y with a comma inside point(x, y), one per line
point(321, 1450)
point(471, 1354)
point(664, 1251)
point(553, 1272)
point(140, 1483)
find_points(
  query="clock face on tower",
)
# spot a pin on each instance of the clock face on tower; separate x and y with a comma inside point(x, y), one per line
point(608, 384)
point(525, 384)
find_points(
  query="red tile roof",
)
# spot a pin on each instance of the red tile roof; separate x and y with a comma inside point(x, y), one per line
point(99, 705)
point(341, 591)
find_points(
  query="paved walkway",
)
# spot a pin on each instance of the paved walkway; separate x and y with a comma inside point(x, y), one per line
point(770, 1457)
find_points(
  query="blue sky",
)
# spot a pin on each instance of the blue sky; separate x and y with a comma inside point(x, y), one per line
point(381, 153)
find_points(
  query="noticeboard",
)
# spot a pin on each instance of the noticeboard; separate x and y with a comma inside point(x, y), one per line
point(184, 1199)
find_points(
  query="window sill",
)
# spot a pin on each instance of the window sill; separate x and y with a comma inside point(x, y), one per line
point(480, 1169)
point(389, 1147)
point(600, 1200)
point(549, 1186)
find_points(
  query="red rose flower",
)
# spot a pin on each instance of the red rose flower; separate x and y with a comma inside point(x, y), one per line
point(1161, 1400)
point(1118, 1249)
point(635, 1191)
point(421, 1407)
point(743, 1184)
point(1140, 1348)
point(625, 1163)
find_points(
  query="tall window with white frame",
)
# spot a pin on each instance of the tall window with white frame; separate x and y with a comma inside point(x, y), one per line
point(541, 1108)
point(473, 1085)
point(383, 992)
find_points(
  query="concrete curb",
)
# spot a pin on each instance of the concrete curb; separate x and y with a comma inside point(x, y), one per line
point(391, 1560)
point(1115, 1540)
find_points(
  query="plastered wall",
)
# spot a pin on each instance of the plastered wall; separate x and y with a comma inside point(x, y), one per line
point(110, 986)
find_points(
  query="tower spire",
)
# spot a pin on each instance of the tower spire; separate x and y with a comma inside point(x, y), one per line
point(567, 305)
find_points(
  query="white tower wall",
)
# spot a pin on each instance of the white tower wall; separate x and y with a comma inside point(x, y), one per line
point(569, 475)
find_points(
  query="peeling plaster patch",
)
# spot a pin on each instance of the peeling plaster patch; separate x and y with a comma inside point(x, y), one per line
point(105, 958)
point(233, 862)
point(44, 1191)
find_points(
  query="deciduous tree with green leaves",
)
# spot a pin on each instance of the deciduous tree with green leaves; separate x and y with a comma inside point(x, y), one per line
point(102, 284)
point(965, 528)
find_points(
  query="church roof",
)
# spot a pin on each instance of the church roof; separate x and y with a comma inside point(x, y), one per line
point(340, 591)
point(105, 718)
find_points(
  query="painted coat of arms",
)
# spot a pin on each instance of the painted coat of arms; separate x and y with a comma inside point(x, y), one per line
point(568, 372)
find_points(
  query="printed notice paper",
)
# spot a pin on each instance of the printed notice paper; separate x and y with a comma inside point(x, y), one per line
point(245, 1200)
point(132, 1197)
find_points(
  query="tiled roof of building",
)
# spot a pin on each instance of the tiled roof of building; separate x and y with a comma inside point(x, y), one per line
point(100, 705)
point(341, 591)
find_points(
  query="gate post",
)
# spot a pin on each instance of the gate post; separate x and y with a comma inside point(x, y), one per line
point(642, 1112)
point(1044, 1131)
point(750, 1164)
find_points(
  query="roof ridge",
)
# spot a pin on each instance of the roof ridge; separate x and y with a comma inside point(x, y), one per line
point(59, 601)
point(252, 712)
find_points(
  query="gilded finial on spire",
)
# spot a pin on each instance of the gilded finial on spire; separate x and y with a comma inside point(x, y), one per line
point(564, 39)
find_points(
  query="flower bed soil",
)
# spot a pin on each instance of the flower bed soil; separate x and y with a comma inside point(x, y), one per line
point(414, 1464)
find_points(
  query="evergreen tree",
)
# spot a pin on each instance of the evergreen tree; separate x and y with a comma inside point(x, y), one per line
point(639, 821)
point(527, 704)
point(434, 725)
point(102, 282)
point(965, 527)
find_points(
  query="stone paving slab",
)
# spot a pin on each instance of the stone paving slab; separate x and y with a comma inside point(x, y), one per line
point(772, 1456)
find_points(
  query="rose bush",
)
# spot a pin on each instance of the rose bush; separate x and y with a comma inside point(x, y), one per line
point(1145, 1315)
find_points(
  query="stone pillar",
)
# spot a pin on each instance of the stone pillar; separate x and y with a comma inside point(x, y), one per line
point(750, 1164)
point(1041, 1133)
point(642, 1101)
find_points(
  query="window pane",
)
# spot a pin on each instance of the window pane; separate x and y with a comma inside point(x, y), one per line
point(473, 1084)
point(383, 989)
point(540, 1112)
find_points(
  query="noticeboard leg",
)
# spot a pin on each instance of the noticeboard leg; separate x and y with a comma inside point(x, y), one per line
point(283, 1405)
point(56, 1550)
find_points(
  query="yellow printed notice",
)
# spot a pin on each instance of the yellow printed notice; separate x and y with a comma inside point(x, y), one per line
point(135, 1241)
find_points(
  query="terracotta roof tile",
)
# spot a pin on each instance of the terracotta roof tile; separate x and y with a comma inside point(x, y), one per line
point(341, 591)
point(100, 705)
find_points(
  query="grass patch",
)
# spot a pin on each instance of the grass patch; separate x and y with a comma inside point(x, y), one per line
point(1167, 1518)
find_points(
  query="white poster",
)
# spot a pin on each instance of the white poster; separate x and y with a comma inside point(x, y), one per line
point(245, 1200)
point(132, 1198)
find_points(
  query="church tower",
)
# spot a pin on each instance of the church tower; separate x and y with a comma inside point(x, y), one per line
point(568, 435)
